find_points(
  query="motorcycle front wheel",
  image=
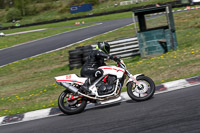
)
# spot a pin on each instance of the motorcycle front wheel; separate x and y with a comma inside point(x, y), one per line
point(70, 103)
point(141, 93)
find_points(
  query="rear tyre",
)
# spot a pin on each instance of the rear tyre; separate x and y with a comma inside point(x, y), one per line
point(144, 93)
point(70, 103)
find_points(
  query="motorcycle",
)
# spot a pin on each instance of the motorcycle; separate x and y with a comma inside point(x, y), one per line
point(104, 90)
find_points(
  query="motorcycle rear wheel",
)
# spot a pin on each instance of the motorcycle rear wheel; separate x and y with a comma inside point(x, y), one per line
point(71, 106)
point(144, 93)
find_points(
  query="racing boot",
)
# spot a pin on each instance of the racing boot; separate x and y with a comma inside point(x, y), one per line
point(85, 86)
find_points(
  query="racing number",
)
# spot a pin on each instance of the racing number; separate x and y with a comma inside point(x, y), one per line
point(68, 76)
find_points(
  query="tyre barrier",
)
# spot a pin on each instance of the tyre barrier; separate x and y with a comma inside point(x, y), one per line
point(124, 48)
point(75, 60)
point(78, 56)
point(86, 52)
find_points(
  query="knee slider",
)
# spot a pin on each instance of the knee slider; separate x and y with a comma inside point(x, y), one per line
point(98, 73)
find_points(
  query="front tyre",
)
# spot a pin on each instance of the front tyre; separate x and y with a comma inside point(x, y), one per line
point(70, 103)
point(145, 92)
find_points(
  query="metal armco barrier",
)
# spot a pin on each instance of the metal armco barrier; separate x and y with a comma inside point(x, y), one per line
point(121, 48)
point(124, 48)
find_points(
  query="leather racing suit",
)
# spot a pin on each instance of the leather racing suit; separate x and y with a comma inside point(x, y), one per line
point(90, 68)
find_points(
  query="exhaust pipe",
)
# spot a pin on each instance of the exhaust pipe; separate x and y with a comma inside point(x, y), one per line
point(69, 87)
point(75, 90)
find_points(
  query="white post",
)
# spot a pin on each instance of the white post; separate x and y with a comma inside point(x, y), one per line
point(134, 21)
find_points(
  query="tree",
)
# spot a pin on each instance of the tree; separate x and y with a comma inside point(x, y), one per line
point(2, 5)
point(93, 2)
point(13, 14)
point(21, 5)
point(6, 4)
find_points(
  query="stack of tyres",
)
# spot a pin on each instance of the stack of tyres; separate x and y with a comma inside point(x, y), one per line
point(86, 52)
point(79, 56)
point(75, 58)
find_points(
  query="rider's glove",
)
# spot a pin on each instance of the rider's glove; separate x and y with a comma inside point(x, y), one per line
point(115, 58)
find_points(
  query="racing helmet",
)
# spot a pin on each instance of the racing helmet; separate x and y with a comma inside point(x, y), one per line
point(103, 47)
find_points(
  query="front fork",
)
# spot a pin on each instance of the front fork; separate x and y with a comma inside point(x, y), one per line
point(133, 78)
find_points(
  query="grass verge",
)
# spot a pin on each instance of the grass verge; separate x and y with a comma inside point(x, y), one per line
point(29, 84)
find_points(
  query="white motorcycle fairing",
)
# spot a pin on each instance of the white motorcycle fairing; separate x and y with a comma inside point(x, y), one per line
point(71, 78)
point(113, 70)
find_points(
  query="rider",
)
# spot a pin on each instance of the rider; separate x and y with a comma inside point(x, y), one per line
point(95, 60)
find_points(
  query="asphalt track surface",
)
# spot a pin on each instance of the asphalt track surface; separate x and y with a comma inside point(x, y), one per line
point(172, 112)
point(30, 49)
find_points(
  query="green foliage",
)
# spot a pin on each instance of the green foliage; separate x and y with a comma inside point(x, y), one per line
point(46, 7)
point(33, 9)
point(42, 1)
point(93, 2)
point(64, 9)
point(78, 2)
point(2, 14)
point(74, 2)
point(13, 14)
point(21, 5)
point(1, 4)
